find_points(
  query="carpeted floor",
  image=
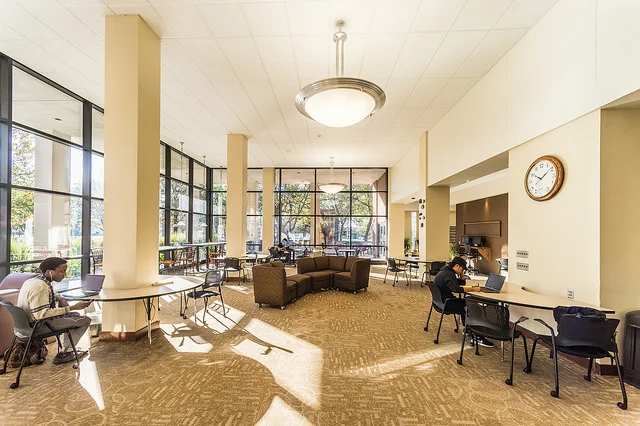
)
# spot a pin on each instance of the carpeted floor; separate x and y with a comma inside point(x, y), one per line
point(331, 358)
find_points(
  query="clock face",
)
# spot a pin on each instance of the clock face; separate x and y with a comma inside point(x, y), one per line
point(544, 178)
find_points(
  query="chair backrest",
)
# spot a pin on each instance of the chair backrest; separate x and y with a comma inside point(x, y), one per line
point(578, 326)
point(15, 280)
point(485, 314)
point(436, 295)
point(391, 263)
point(21, 326)
point(212, 279)
point(232, 262)
point(273, 252)
point(435, 267)
point(96, 255)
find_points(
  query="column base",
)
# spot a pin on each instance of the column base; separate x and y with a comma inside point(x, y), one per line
point(127, 336)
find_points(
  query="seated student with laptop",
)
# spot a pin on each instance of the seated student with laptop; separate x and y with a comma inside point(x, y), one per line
point(448, 283)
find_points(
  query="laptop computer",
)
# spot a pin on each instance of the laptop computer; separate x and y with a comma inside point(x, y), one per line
point(90, 285)
point(494, 284)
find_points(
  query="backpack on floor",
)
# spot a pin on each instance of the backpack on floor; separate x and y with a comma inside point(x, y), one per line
point(36, 354)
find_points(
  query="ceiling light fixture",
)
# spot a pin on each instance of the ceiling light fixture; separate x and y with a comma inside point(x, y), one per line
point(331, 188)
point(340, 101)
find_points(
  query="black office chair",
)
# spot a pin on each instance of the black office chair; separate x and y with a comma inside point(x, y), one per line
point(584, 333)
point(232, 264)
point(393, 267)
point(490, 320)
point(432, 271)
point(27, 333)
point(211, 287)
point(444, 307)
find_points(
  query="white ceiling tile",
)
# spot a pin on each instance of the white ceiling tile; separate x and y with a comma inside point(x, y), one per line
point(460, 43)
point(218, 71)
point(481, 14)
point(313, 70)
point(225, 19)
point(280, 134)
point(24, 23)
point(429, 118)
point(312, 48)
point(281, 70)
point(275, 49)
point(172, 51)
point(203, 49)
point(494, 46)
point(389, 18)
point(266, 19)
point(260, 94)
point(453, 91)
point(285, 89)
point(407, 117)
point(241, 49)
point(183, 19)
point(524, 13)
point(383, 47)
point(398, 91)
point(7, 33)
point(146, 12)
point(249, 71)
point(188, 73)
point(385, 116)
point(437, 15)
point(92, 16)
point(375, 69)
point(356, 14)
point(299, 136)
point(417, 52)
point(310, 17)
point(234, 94)
point(294, 119)
point(425, 92)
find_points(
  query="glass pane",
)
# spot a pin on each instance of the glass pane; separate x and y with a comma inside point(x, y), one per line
point(297, 229)
point(219, 229)
point(362, 203)
point(161, 228)
point(254, 233)
point(179, 166)
point(97, 223)
point(219, 203)
point(162, 191)
point(44, 225)
point(369, 179)
point(380, 203)
point(97, 131)
point(41, 163)
point(199, 200)
point(332, 230)
point(179, 196)
point(97, 176)
point(42, 107)
point(325, 176)
point(364, 231)
point(254, 180)
point(199, 175)
point(163, 164)
point(334, 204)
point(199, 232)
point(218, 179)
point(179, 224)
point(254, 203)
point(297, 180)
point(295, 203)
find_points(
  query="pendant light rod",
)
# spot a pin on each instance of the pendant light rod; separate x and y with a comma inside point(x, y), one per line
point(339, 38)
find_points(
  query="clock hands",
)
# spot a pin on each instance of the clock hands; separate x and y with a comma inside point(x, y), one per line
point(540, 178)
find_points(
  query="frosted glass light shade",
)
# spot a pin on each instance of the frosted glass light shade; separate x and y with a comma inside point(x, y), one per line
point(340, 101)
point(332, 188)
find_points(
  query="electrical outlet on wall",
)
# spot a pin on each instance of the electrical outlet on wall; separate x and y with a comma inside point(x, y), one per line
point(570, 293)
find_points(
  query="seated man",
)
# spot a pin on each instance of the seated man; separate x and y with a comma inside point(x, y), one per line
point(284, 250)
point(448, 282)
point(39, 301)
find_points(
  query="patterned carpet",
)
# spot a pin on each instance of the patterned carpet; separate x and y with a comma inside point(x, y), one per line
point(331, 358)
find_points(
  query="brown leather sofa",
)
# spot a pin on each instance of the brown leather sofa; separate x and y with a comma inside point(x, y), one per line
point(10, 282)
point(272, 286)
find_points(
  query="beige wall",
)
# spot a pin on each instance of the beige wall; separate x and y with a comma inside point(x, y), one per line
point(237, 150)
point(396, 230)
point(403, 177)
point(619, 225)
point(488, 186)
point(580, 56)
point(561, 234)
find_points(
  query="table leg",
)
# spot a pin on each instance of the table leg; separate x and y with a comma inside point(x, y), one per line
point(147, 307)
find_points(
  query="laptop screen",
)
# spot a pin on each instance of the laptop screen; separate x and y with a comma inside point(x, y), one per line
point(92, 283)
point(495, 281)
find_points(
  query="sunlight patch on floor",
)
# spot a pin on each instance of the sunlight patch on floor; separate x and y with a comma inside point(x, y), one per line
point(238, 288)
point(280, 413)
point(89, 380)
point(214, 320)
point(296, 365)
point(418, 360)
point(180, 337)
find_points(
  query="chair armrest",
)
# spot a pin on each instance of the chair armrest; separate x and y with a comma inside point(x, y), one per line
point(521, 319)
point(546, 325)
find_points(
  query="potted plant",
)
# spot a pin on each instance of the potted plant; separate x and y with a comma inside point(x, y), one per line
point(407, 245)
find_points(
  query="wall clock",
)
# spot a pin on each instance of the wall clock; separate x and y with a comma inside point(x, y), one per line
point(544, 178)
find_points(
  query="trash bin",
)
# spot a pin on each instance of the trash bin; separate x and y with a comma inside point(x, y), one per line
point(631, 359)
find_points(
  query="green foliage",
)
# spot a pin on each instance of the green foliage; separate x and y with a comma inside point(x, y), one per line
point(453, 250)
point(407, 244)
point(178, 237)
point(20, 250)
point(22, 173)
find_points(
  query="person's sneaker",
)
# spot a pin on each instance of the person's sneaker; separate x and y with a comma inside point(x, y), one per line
point(63, 357)
point(485, 343)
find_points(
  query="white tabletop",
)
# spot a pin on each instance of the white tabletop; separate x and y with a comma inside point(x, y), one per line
point(168, 284)
point(513, 294)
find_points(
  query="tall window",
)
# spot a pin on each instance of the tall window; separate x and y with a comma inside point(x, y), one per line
point(219, 204)
point(355, 218)
point(254, 210)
